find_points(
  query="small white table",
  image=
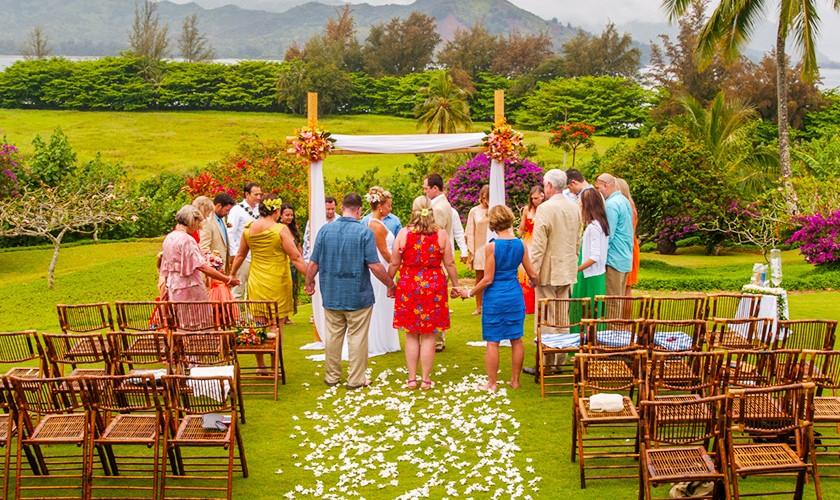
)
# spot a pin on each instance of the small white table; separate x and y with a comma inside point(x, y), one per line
point(769, 305)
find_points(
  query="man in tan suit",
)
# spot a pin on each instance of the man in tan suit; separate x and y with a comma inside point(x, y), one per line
point(554, 249)
point(213, 233)
point(433, 189)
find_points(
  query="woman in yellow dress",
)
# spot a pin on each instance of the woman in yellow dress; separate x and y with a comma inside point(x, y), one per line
point(272, 247)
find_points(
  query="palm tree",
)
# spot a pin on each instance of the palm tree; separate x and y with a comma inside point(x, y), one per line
point(729, 29)
point(445, 109)
point(724, 129)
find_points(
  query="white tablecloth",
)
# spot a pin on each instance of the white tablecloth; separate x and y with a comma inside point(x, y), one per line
point(768, 308)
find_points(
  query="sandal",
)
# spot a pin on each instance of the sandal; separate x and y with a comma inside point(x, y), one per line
point(425, 385)
point(411, 384)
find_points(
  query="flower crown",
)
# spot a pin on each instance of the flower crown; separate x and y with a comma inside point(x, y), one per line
point(376, 197)
point(273, 203)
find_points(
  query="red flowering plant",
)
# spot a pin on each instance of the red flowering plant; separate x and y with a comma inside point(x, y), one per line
point(250, 336)
point(504, 142)
point(254, 160)
point(571, 137)
point(312, 144)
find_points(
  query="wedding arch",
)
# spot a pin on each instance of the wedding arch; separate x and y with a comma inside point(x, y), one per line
point(393, 144)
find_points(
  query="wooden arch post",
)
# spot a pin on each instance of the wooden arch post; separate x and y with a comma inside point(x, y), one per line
point(498, 107)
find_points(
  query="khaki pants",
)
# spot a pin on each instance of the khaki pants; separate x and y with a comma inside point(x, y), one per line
point(553, 292)
point(239, 291)
point(616, 282)
point(355, 324)
point(440, 340)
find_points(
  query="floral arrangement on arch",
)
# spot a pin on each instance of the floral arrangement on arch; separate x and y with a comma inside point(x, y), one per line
point(312, 143)
point(504, 142)
point(250, 336)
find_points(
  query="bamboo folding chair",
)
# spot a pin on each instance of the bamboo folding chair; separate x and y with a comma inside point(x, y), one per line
point(85, 318)
point(604, 335)
point(741, 333)
point(677, 308)
point(753, 368)
point(125, 412)
point(732, 305)
point(142, 316)
point(207, 316)
point(822, 368)
point(811, 334)
point(22, 347)
point(683, 375)
point(673, 335)
point(213, 352)
point(246, 315)
point(558, 335)
point(130, 350)
point(53, 423)
point(682, 441)
point(74, 350)
point(769, 432)
point(196, 410)
point(621, 307)
point(8, 432)
point(614, 372)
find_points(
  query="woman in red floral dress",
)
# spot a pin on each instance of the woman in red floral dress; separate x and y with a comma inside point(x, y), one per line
point(526, 232)
point(422, 307)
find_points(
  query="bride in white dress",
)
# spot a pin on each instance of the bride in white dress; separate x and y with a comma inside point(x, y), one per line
point(382, 336)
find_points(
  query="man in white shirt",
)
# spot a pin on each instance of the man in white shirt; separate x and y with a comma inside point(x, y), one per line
point(243, 212)
point(458, 236)
point(433, 189)
point(329, 206)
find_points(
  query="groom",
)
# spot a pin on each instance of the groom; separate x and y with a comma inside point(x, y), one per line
point(345, 255)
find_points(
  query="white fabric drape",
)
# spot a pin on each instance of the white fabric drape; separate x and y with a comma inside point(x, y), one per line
point(497, 189)
point(317, 219)
point(401, 144)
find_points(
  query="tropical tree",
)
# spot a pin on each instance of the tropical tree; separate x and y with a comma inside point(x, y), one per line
point(571, 137)
point(445, 108)
point(729, 29)
point(192, 43)
point(724, 128)
point(37, 45)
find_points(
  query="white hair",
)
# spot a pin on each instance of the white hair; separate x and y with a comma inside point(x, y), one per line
point(556, 178)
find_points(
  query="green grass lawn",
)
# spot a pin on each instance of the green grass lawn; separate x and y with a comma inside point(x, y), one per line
point(291, 441)
point(147, 143)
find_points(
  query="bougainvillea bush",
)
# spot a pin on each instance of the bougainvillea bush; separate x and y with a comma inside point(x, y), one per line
point(520, 177)
point(818, 238)
point(265, 162)
point(9, 164)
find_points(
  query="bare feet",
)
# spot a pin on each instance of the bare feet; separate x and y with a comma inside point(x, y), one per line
point(487, 387)
point(477, 312)
point(512, 384)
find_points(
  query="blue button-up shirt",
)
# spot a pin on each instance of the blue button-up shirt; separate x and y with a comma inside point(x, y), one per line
point(343, 251)
point(620, 218)
point(391, 221)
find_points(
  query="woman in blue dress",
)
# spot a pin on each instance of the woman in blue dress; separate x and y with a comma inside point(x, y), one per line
point(503, 311)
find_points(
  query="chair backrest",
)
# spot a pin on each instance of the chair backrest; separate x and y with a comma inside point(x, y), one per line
point(85, 318)
point(691, 372)
point(683, 422)
point(673, 335)
point(621, 307)
point(770, 413)
point(732, 305)
point(740, 333)
point(811, 334)
point(261, 314)
point(555, 315)
point(822, 368)
point(205, 316)
point(18, 347)
point(611, 334)
point(200, 395)
point(677, 308)
point(142, 316)
point(621, 372)
point(113, 394)
point(80, 349)
point(129, 349)
point(753, 368)
point(45, 396)
point(202, 349)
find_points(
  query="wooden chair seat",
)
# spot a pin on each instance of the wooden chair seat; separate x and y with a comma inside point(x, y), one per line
point(609, 370)
point(192, 431)
point(24, 372)
point(60, 428)
point(827, 409)
point(734, 339)
point(681, 464)
point(132, 429)
point(628, 414)
point(767, 456)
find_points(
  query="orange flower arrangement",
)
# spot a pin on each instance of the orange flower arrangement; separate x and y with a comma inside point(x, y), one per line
point(312, 144)
point(504, 142)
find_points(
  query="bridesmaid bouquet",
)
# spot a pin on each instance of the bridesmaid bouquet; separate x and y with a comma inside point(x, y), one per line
point(250, 336)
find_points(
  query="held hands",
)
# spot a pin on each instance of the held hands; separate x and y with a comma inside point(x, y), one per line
point(455, 293)
point(533, 281)
point(309, 289)
point(465, 293)
point(392, 291)
point(234, 281)
point(464, 259)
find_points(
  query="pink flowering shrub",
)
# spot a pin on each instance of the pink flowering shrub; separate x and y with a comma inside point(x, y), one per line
point(520, 177)
point(818, 238)
point(9, 164)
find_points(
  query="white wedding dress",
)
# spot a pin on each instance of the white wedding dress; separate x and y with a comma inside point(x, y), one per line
point(382, 336)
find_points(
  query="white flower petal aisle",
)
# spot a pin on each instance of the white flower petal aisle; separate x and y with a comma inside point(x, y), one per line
point(387, 441)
